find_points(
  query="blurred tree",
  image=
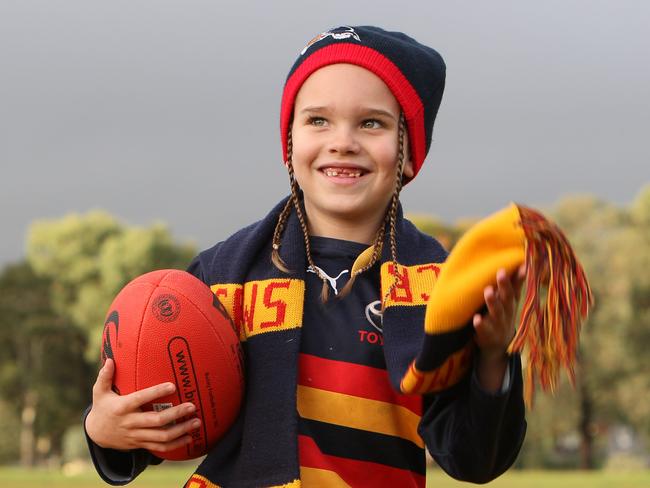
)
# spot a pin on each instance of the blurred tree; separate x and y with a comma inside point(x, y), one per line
point(446, 234)
point(635, 252)
point(66, 250)
point(44, 379)
point(641, 209)
point(10, 428)
point(90, 257)
point(51, 317)
point(549, 443)
point(595, 230)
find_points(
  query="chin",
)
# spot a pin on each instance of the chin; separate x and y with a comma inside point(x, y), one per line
point(360, 213)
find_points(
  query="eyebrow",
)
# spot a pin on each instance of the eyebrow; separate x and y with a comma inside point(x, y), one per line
point(366, 111)
point(314, 109)
point(379, 111)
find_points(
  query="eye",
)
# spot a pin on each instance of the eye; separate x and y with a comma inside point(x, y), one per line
point(371, 124)
point(317, 121)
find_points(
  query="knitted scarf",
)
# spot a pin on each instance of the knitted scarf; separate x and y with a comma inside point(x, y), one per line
point(427, 329)
point(266, 306)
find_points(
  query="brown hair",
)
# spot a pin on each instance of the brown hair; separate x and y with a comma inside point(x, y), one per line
point(390, 218)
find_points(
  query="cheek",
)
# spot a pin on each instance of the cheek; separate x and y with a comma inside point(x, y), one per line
point(385, 154)
point(301, 156)
point(303, 150)
point(298, 168)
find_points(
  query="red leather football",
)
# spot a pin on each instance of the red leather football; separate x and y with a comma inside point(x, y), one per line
point(167, 326)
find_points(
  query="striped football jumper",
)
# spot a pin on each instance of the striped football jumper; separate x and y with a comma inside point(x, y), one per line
point(354, 428)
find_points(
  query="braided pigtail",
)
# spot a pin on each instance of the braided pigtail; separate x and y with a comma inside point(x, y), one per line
point(392, 213)
point(276, 259)
point(295, 200)
point(376, 255)
point(391, 217)
point(277, 237)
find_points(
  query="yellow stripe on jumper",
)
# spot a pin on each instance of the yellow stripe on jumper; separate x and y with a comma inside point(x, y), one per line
point(198, 481)
point(321, 477)
point(358, 413)
point(260, 307)
point(412, 284)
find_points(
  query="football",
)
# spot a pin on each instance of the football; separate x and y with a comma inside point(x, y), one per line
point(168, 326)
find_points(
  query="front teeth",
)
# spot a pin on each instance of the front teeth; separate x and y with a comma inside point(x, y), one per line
point(352, 174)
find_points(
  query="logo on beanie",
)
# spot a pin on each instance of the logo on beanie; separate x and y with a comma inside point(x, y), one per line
point(338, 33)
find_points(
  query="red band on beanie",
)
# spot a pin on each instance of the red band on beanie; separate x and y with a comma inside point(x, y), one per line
point(375, 62)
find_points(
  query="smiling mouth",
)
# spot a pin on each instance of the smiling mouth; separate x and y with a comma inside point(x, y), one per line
point(343, 172)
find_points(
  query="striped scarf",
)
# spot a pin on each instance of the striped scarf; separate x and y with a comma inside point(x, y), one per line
point(427, 330)
point(267, 307)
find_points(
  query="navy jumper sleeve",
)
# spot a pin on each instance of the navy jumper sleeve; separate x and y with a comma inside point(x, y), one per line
point(472, 434)
point(118, 467)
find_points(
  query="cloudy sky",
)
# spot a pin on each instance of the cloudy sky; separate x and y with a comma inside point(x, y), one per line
point(168, 110)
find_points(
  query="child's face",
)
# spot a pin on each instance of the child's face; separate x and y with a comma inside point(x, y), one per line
point(345, 146)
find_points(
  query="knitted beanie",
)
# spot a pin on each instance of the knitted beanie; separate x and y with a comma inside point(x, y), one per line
point(414, 73)
point(556, 300)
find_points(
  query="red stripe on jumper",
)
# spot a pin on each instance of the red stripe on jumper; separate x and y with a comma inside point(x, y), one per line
point(353, 379)
point(356, 473)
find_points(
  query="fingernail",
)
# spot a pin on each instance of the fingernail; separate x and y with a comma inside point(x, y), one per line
point(195, 424)
point(190, 408)
point(169, 387)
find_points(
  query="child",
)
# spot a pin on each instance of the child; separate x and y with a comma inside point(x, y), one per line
point(329, 291)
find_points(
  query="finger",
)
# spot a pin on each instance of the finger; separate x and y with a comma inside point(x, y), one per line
point(138, 398)
point(165, 417)
point(481, 324)
point(104, 381)
point(504, 288)
point(477, 320)
point(483, 328)
point(165, 435)
point(166, 446)
point(494, 306)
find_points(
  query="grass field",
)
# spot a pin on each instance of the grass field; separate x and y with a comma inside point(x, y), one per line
point(173, 477)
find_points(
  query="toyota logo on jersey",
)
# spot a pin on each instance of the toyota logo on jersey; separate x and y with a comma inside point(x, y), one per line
point(374, 315)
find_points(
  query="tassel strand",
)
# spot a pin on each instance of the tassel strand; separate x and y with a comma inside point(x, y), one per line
point(550, 332)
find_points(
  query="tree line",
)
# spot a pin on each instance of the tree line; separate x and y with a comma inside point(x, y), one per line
point(53, 302)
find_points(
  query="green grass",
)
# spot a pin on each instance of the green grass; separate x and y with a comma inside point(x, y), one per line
point(175, 476)
point(159, 477)
point(553, 479)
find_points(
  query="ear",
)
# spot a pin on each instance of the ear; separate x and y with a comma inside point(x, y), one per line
point(407, 174)
point(408, 169)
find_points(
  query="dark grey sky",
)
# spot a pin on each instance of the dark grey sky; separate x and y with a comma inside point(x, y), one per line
point(169, 110)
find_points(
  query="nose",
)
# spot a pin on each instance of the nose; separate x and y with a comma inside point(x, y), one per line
point(343, 141)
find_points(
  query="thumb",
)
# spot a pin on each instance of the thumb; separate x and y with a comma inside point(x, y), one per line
point(105, 377)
